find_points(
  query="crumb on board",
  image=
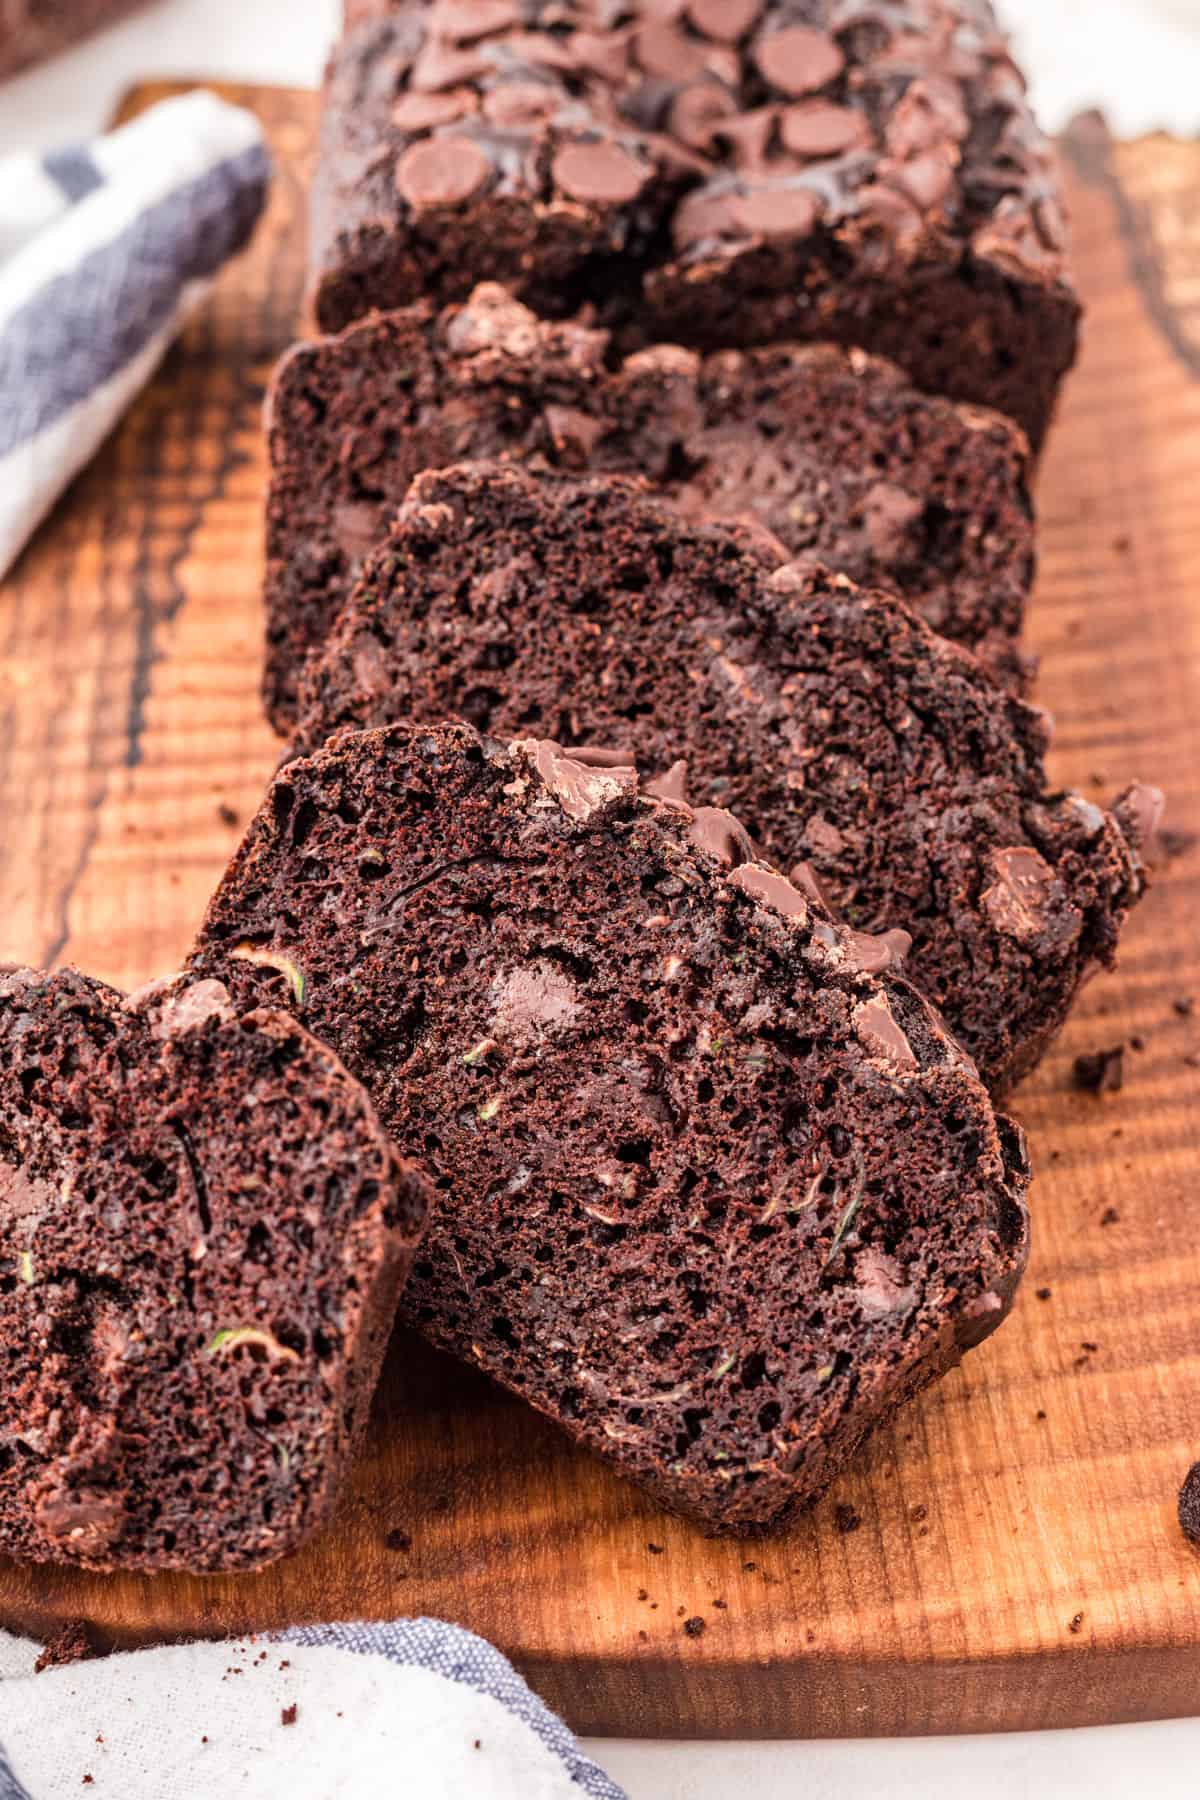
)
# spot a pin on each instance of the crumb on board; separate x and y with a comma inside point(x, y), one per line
point(694, 1627)
point(1101, 1071)
point(288, 1715)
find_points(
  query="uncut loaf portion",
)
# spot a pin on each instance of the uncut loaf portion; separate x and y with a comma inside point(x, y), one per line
point(834, 452)
point(204, 1231)
point(720, 1191)
point(714, 172)
point(840, 729)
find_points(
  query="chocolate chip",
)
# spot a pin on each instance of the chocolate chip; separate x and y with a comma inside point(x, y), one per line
point(798, 60)
point(776, 211)
point(441, 171)
point(719, 834)
point(421, 112)
point(599, 172)
point(670, 786)
point(440, 65)
point(696, 110)
point(819, 128)
point(878, 1030)
point(874, 952)
point(663, 50)
point(727, 20)
point(465, 20)
point(927, 180)
point(1189, 1505)
point(772, 889)
point(1018, 900)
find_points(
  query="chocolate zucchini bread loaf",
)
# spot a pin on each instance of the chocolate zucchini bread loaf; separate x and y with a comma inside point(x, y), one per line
point(720, 1190)
point(203, 1234)
point(719, 173)
point(31, 30)
point(834, 452)
point(840, 729)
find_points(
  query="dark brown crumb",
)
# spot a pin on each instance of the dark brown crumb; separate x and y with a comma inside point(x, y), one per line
point(694, 1627)
point(285, 1664)
point(397, 1540)
point(1076, 1623)
point(845, 1518)
point(643, 1637)
point(918, 1513)
point(1044, 1293)
point(226, 814)
point(204, 1739)
point(642, 1594)
point(1193, 1059)
point(721, 1605)
point(750, 1566)
point(655, 1549)
point(478, 1745)
point(1090, 1348)
point(1110, 1216)
point(1101, 1071)
point(1185, 1005)
point(1137, 1042)
point(288, 1716)
point(1189, 1505)
point(1122, 544)
point(1040, 1416)
point(71, 1643)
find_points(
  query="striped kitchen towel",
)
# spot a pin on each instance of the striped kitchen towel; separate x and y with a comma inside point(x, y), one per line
point(106, 249)
point(416, 1708)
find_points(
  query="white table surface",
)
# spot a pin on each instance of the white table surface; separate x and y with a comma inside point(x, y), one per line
point(1140, 60)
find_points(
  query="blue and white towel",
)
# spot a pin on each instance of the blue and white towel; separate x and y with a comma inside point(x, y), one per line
point(382, 1712)
point(106, 249)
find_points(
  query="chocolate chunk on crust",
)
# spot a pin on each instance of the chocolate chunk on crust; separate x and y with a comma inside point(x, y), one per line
point(832, 452)
point(843, 733)
point(720, 175)
point(677, 1164)
point(203, 1234)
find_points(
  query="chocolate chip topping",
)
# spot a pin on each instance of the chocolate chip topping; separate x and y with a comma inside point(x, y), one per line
point(874, 952)
point(671, 785)
point(798, 60)
point(815, 128)
point(772, 888)
point(442, 171)
point(726, 20)
point(721, 835)
point(1019, 900)
point(581, 791)
point(878, 1030)
point(600, 172)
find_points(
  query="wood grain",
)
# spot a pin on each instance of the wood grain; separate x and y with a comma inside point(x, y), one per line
point(1016, 1560)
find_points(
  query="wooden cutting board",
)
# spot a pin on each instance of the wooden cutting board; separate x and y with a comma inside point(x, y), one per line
point(1014, 1558)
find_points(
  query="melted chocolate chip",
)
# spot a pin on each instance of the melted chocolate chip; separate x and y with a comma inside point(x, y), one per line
point(719, 834)
point(798, 60)
point(442, 171)
point(879, 1031)
point(599, 172)
point(773, 889)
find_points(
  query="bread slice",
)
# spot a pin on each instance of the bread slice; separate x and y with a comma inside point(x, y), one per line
point(834, 452)
point(203, 1234)
point(721, 1192)
point(839, 728)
